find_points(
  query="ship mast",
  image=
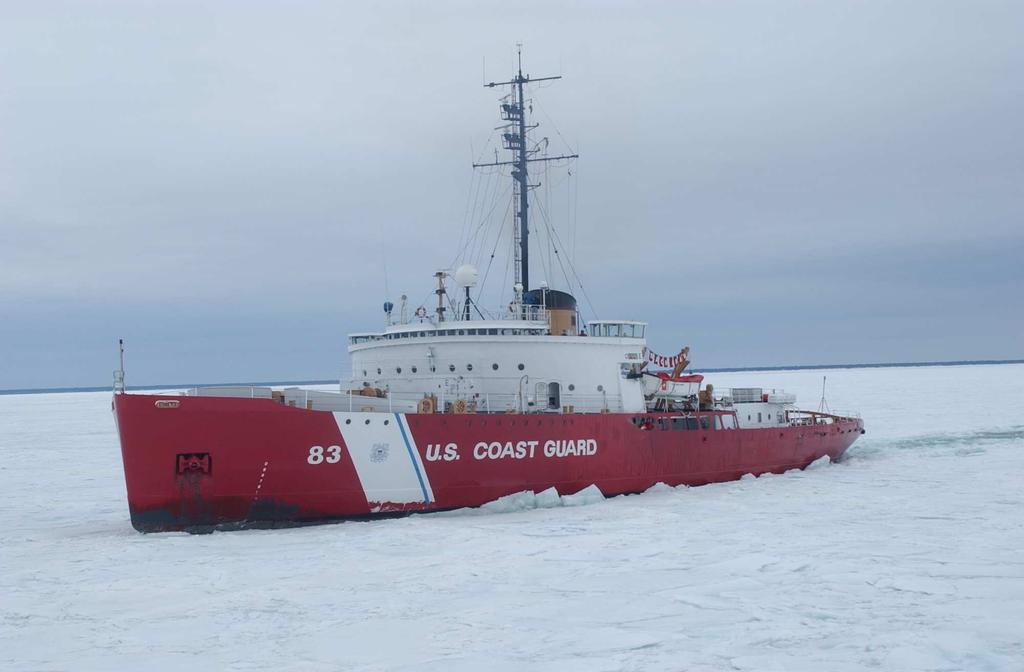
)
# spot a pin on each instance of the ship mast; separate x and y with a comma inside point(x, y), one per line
point(515, 140)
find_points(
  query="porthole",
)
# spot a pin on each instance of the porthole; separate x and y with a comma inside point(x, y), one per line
point(494, 366)
point(385, 422)
point(398, 369)
point(367, 421)
point(571, 387)
point(600, 388)
point(364, 373)
point(469, 367)
point(378, 371)
point(414, 369)
point(521, 367)
point(433, 369)
point(451, 367)
point(348, 421)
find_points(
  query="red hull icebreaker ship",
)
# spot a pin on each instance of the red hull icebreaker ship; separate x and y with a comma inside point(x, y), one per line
point(458, 406)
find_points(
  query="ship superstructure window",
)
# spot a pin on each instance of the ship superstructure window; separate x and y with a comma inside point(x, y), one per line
point(617, 329)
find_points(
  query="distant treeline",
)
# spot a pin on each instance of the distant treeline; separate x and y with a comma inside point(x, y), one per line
point(792, 367)
point(885, 365)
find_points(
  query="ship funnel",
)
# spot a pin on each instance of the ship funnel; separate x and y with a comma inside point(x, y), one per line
point(560, 306)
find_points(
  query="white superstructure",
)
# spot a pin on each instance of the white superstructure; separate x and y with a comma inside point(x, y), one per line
point(504, 365)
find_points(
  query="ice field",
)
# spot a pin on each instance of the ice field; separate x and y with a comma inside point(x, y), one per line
point(907, 555)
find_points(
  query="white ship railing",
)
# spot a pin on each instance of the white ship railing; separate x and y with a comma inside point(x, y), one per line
point(799, 417)
point(407, 402)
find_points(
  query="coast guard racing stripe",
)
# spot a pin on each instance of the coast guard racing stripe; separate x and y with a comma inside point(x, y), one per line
point(384, 454)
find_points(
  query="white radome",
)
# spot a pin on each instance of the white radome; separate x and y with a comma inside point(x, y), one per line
point(466, 275)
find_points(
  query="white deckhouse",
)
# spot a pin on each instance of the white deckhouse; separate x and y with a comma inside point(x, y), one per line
point(531, 358)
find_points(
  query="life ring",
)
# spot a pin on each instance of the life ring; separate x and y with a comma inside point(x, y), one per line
point(421, 311)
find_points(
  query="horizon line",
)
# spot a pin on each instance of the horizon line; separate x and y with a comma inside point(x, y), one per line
point(791, 367)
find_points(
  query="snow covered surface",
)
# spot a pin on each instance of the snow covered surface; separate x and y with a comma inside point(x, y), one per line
point(907, 555)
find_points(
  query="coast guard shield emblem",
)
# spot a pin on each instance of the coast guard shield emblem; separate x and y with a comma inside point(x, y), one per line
point(379, 452)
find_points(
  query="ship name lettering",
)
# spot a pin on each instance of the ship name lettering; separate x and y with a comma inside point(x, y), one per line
point(569, 448)
point(522, 450)
point(497, 450)
point(435, 454)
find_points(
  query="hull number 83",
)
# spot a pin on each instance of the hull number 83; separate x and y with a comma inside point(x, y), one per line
point(319, 454)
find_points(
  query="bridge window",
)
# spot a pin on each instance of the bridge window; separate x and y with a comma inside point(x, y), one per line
point(617, 329)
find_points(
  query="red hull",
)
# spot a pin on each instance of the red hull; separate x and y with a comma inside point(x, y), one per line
point(209, 462)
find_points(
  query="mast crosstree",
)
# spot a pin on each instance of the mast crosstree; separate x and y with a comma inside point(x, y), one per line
point(515, 140)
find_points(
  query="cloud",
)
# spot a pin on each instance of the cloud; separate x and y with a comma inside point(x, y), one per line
point(813, 172)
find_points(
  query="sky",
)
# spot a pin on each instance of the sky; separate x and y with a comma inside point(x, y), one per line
point(233, 187)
